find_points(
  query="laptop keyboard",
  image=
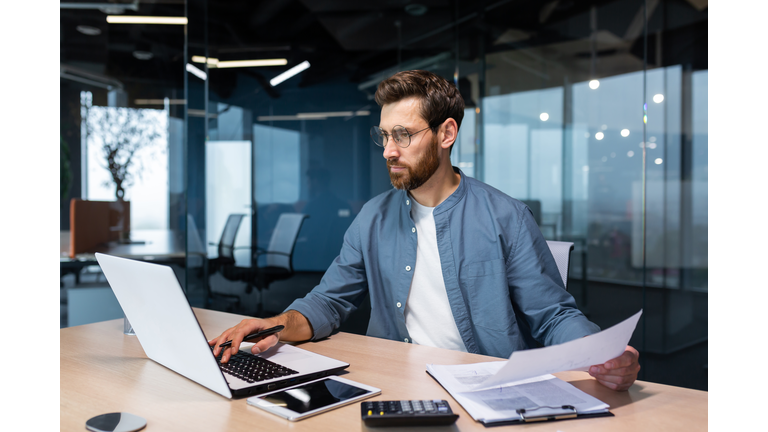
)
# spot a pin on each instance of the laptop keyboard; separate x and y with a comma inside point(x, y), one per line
point(252, 368)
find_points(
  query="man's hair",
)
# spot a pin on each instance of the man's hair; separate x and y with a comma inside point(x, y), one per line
point(440, 100)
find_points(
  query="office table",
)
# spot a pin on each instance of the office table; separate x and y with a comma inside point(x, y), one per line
point(103, 371)
point(154, 245)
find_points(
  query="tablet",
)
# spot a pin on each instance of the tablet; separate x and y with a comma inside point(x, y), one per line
point(305, 400)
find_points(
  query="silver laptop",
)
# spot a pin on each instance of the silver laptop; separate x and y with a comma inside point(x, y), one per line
point(170, 334)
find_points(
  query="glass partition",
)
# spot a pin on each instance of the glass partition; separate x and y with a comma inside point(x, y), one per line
point(122, 111)
point(594, 115)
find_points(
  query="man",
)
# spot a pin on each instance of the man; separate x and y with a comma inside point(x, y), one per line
point(448, 261)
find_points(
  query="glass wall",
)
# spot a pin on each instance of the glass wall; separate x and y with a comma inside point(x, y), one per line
point(122, 132)
point(592, 114)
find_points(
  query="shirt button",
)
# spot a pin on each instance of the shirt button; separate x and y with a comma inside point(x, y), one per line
point(399, 304)
point(413, 229)
point(407, 268)
point(407, 202)
point(406, 339)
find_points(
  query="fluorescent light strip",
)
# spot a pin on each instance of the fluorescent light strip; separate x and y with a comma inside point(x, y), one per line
point(214, 62)
point(251, 63)
point(314, 116)
point(332, 114)
point(289, 73)
point(133, 19)
point(159, 101)
point(196, 72)
point(201, 59)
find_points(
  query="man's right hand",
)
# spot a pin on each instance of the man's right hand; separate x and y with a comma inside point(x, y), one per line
point(297, 328)
point(238, 332)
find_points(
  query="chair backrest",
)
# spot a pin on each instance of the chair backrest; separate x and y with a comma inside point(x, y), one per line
point(227, 241)
point(283, 240)
point(561, 251)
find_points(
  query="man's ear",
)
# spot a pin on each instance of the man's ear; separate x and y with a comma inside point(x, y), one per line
point(448, 133)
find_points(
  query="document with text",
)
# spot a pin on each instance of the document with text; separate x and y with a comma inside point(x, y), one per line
point(577, 354)
point(543, 395)
point(504, 391)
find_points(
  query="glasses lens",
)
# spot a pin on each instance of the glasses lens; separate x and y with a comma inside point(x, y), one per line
point(377, 136)
point(400, 134)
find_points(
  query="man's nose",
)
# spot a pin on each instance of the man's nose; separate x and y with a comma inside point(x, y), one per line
point(391, 149)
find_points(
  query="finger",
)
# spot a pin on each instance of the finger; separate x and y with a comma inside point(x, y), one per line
point(241, 330)
point(627, 358)
point(601, 370)
point(265, 344)
point(617, 379)
point(223, 337)
point(615, 386)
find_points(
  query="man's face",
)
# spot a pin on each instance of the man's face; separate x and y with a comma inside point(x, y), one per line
point(411, 167)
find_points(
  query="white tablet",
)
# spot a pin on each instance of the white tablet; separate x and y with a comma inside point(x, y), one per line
point(314, 397)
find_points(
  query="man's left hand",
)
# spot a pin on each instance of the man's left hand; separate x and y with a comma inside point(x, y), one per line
point(619, 373)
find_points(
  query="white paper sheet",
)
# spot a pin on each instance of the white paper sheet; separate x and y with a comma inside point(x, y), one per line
point(500, 403)
point(578, 354)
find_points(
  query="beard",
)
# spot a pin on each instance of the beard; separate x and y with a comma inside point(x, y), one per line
point(418, 174)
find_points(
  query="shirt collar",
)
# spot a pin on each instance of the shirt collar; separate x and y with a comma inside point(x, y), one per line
point(449, 202)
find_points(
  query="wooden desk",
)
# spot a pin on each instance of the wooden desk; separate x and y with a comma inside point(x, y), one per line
point(104, 371)
point(155, 244)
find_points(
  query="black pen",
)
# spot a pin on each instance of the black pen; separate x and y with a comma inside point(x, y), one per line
point(266, 332)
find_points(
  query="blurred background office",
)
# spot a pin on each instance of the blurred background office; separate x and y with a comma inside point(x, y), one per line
point(230, 140)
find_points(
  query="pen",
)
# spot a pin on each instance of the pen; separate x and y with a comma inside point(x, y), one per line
point(266, 332)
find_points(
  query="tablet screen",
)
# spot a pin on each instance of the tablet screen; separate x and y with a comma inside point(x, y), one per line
point(314, 395)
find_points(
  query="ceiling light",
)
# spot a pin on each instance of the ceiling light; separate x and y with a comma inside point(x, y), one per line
point(658, 98)
point(196, 72)
point(89, 30)
point(599, 136)
point(416, 9)
point(625, 132)
point(133, 19)
point(630, 153)
point(289, 73)
point(143, 55)
point(594, 84)
point(544, 116)
point(159, 101)
point(658, 161)
point(314, 115)
point(253, 63)
point(332, 114)
point(201, 59)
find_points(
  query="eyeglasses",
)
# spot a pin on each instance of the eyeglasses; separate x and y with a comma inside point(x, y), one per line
point(400, 135)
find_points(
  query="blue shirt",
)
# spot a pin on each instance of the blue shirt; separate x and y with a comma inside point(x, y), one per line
point(502, 282)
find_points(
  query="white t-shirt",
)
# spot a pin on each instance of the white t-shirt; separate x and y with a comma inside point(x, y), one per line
point(428, 315)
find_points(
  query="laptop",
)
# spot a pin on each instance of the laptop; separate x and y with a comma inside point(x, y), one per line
point(170, 335)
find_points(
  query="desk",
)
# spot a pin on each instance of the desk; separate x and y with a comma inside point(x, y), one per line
point(104, 371)
point(154, 244)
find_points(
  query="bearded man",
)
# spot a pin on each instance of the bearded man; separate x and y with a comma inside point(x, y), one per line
point(448, 261)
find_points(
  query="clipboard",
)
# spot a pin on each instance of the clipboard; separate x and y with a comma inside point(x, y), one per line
point(565, 412)
point(528, 415)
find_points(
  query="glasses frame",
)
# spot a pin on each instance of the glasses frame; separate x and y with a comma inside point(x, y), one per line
point(387, 135)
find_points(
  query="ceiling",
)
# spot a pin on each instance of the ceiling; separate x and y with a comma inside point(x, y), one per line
point(358, 41)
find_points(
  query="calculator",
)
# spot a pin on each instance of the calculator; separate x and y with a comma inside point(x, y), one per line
point(407, 413)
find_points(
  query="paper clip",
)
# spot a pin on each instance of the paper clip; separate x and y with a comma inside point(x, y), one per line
point(571, 413)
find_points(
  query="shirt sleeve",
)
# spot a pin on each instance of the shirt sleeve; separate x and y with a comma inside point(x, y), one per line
point(537, 289)
point(341, 290)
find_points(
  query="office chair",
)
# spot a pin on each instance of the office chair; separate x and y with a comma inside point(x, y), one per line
point(225, 259)
point(561, 251)
point(279, 256)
